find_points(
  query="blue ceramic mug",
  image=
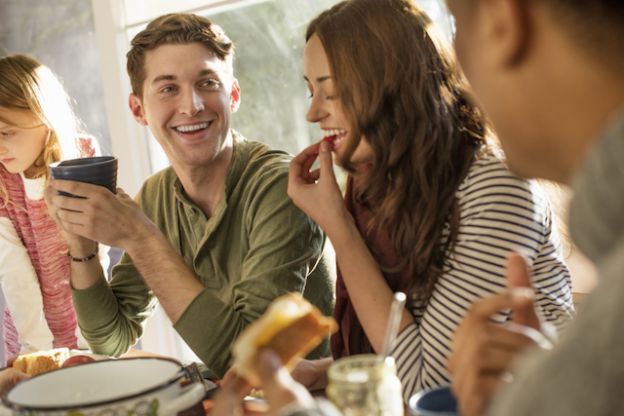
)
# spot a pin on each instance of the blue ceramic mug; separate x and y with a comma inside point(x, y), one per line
point(434, 402)
point(99, 170)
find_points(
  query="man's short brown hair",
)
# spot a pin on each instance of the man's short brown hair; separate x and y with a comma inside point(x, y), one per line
point(174, 28)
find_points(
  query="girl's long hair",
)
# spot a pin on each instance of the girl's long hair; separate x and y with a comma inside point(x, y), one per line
point(402, 90)
point(27, 85)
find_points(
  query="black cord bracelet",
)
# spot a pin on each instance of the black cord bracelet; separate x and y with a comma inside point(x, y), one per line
point(83, 259)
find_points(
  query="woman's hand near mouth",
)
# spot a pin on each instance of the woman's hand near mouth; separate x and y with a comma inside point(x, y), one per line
point(316, 192)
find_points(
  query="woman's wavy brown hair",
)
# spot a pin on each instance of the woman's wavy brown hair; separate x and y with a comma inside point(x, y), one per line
point(402, 90)
point(27, 85)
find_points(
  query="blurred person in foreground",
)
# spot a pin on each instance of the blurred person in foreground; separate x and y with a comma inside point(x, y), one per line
point(550, 74)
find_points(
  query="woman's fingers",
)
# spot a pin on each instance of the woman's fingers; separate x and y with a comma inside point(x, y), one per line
point(314, 175)
point(327, 161)
point(309, 152)
point(300, 165)
point(307, 164)
point(299, 171)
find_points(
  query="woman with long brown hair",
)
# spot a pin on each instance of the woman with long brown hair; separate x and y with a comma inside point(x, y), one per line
point(430, 207)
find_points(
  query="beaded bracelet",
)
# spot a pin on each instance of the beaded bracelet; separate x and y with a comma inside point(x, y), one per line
point(83, 259)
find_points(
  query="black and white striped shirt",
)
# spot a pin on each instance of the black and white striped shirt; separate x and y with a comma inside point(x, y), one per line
point(499, 213)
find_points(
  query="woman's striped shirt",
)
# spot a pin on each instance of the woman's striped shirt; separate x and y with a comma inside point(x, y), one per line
point(499, 213)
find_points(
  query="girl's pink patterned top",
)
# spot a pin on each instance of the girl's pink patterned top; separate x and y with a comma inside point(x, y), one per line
point(48, 254)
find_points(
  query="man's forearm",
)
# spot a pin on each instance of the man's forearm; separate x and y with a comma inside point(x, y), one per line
point(164, 271)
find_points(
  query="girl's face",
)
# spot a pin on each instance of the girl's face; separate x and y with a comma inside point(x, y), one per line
point(22, 139)
point(325, 105)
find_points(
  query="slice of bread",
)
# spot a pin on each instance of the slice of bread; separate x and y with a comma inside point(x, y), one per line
point(39, 362)
point(291, 327)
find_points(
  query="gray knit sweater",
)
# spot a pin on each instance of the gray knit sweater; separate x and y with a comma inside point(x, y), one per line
point(584, 374)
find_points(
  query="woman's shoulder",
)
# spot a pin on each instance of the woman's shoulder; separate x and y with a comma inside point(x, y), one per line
point(489, 180)
point(489, 170)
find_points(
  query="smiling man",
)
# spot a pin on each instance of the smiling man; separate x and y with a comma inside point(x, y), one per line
point(213, 238)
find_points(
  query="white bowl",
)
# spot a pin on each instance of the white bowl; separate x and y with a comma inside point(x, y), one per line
point(142, 385)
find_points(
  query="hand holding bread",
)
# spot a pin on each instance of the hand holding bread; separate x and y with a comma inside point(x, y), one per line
point(291, 327)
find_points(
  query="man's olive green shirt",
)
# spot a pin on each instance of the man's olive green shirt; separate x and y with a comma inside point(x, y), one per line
point(255, 247)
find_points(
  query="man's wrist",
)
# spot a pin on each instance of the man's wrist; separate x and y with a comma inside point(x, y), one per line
point(82, 259)
point(143, 232)
point(81, 247)
point(140, 238)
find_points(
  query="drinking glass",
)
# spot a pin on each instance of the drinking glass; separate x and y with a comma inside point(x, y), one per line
point(365, 385)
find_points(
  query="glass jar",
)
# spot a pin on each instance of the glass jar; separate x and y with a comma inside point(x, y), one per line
point(365, 385)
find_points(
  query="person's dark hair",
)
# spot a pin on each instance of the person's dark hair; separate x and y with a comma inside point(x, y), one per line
point(175, 28)
point(401, 88)
point(598, 25)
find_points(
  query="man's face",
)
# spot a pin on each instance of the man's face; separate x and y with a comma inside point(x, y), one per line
point(188, 97)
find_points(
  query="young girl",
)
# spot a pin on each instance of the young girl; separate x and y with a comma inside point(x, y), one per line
point(430, 208)
point(37, 127)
